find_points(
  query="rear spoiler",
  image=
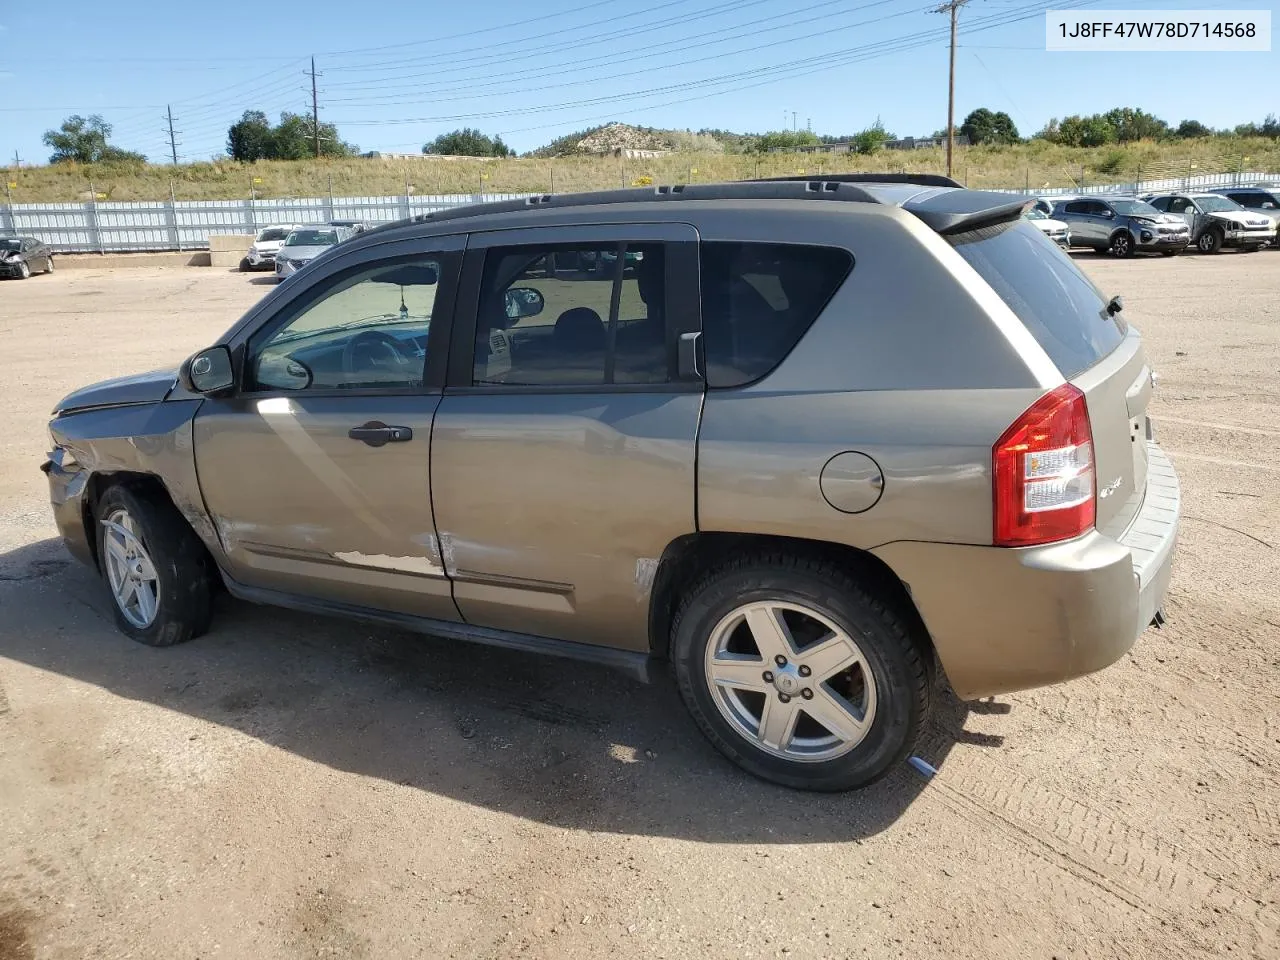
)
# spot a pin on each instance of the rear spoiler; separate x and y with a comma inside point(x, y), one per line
point(959, 211)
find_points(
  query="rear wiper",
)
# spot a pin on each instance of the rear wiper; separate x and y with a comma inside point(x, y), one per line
point(1115, 305)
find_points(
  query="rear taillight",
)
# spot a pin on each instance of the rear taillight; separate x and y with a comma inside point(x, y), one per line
point(1042, 472)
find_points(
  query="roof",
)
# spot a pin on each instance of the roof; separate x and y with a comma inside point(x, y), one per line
point(939, 201)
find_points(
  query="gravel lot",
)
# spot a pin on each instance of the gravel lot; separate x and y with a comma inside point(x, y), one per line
point(288, 786)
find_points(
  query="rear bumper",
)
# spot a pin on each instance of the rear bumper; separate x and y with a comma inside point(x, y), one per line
point(1009, 619)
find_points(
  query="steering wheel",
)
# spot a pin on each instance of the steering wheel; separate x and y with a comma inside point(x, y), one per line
point(374, 342)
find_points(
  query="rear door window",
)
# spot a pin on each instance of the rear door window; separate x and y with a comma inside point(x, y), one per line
point(758, 299)
point(1057, 303)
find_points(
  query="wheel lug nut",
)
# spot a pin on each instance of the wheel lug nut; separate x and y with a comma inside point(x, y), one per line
point(807, 693)
point(780, 660)
point(784, 698)
point(804, 671)
point(768, 676)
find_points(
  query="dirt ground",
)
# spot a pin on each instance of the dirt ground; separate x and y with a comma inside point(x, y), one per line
point(290, 787)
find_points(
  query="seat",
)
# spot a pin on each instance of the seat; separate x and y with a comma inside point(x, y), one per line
point(579, 330)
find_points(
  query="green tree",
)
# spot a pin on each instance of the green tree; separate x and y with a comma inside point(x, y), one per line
point(1092, 131)
point(984, 126)
point(1191, 130)
point(84, 140)
point(784, 140)
point(871, 139)
point(468, 142)
point(1130, 124)
point(249, 139)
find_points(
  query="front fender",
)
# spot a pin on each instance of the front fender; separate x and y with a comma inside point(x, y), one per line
point(153, 439)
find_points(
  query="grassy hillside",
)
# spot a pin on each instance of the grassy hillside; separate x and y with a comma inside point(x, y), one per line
point(1037, 164)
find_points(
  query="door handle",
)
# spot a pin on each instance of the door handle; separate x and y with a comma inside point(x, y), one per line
point(376, 433)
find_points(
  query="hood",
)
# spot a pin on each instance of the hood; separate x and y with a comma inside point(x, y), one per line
point(1050, 225)
point(271, 245)
point(303, 253)
point(140, 388)
point(1232, 216)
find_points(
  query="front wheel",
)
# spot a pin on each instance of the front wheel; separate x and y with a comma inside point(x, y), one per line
point(1122, 245)
point(48, 264)
point(156, 568)
point(1210, 242)
point(245, 265)
point(24, 270)
point(799, 675)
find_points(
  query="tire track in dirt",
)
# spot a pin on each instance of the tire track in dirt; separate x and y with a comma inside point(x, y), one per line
point(1147, 872)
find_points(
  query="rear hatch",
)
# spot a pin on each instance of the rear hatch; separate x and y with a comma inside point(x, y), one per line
point(1092, 348)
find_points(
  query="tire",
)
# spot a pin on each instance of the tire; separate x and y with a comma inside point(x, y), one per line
point(889, 685)
point(24, 270)
point(48, 264)
point(151, 536)
point(1122, 245)
point(1209, 242)
point(245, 265)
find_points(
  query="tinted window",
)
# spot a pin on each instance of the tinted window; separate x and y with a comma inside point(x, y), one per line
point(275, 233)
point(1161, 203)
point(311, 238)
point(1076, 206)
point(366, 331)
point(758, 299)
point(572, 316)
point(1061, 307)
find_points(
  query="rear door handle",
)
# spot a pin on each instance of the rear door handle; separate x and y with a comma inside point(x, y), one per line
point(376, 433)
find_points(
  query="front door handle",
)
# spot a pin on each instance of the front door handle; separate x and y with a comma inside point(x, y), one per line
point(376, 433)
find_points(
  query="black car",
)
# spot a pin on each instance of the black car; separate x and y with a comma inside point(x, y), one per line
point(22, 256)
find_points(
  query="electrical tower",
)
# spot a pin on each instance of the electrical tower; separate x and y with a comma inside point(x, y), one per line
point(952, 7)
point(315, 108)
point(172, 134)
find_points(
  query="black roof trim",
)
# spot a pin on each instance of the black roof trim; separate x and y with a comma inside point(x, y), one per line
point(958, 211)
point(919, 179)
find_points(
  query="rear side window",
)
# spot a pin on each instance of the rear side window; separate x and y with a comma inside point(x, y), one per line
point(758, 299)
point(1061, 307)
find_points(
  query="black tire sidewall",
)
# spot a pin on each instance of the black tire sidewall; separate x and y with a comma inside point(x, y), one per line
point(183, 602)
point(900, 709)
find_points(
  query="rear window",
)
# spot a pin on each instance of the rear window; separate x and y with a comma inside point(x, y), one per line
point(1061, 307)
point(758, 299)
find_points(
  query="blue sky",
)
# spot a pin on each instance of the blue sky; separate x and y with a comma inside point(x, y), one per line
point(398, 72)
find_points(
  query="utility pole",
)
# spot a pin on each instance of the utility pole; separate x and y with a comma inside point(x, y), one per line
point(17, 160)
point(173, 143)
point(793, 121)
point(952, 7)
point(315, 109)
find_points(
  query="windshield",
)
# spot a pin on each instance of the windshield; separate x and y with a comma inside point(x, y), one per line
point(10, 246)
point(273, 233)
point(1057, 303)
point(311, 238)
point(1217, 204)
point(1139, 208)
point(1035, 213)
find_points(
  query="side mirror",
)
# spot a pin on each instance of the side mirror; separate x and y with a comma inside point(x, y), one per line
point(1109, 214)
point(208, 372)
point(524, 302)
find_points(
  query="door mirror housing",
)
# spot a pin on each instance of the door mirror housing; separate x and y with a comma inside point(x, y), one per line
point(1109, 213)
point(524, 302)
point(208, 372)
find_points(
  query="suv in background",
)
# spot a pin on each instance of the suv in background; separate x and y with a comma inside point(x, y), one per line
point(304, 244)
point(715, 454)
point(1262, 199)
point(1122, 226)
point(1217, 221)
point(262, 255)
point(1055, 230)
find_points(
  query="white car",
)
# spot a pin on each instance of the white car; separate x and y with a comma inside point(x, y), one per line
point(1055, 230)
point(262, 255)
point(304, 244)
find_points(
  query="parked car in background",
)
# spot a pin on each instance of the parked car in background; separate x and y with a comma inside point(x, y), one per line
point(356, 226)
point(304, 244)
point(1264, 199)
point(1217, 221)
point(262, 255)
point(22, 256)
point(1122, 226)
point(1055, 230)
point(697, 459)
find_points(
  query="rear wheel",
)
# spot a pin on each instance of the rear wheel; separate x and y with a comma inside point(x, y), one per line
point(799, 675)
point(155, 566)
point(1209, 242)
point(1122, 245)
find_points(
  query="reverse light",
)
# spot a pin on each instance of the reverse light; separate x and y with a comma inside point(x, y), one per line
point(1043, 474)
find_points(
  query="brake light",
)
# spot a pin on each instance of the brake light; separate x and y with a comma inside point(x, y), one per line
point(1042, 472)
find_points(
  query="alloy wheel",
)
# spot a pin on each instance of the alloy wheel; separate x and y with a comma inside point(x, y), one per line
point(131, 572)
point(790, 681)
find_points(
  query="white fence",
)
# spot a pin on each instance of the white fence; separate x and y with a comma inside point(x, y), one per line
point(186, 225)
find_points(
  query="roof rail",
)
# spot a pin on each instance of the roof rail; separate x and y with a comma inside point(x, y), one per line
point(919, 179)
point(810, 188)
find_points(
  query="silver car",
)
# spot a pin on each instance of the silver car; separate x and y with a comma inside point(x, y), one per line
point(811, 440)
point(1263, 199)
point(1122, 226)
point(1217, 221)
point(304, 244)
